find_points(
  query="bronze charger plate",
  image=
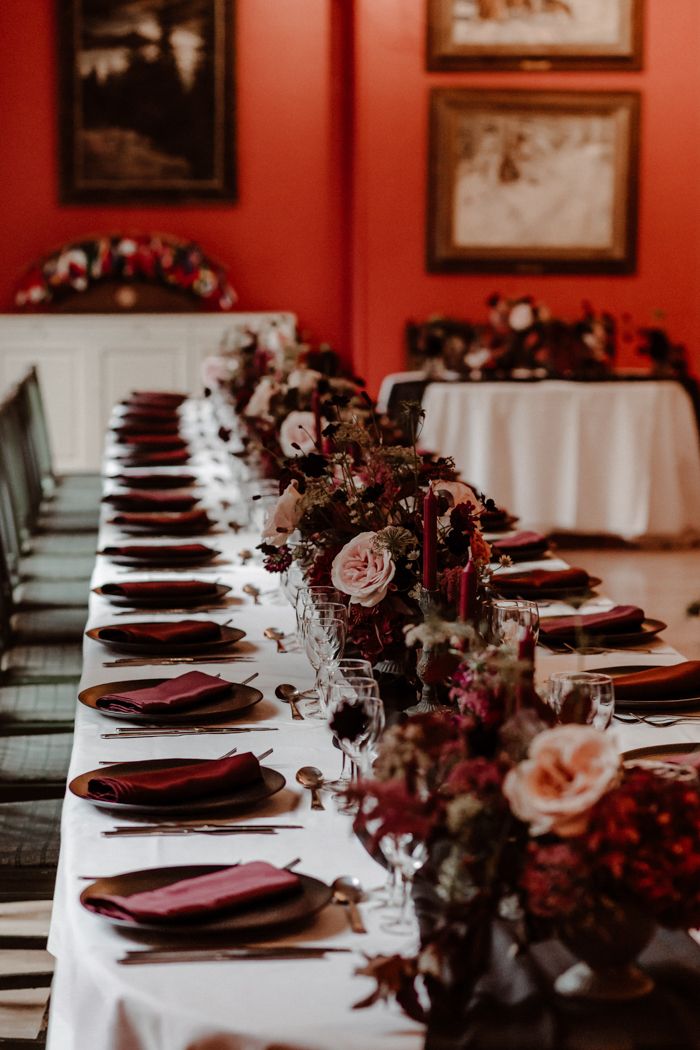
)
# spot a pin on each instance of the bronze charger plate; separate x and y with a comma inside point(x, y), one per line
point(229, 636)
point(270, 783)
point(313, 896)
point(649, 629)
point(675, 702)
point(238, 699)
point(154, 481)
point(163, 528)
point(163, 602)
point(662, 751)
point(162, 561)
point(533, 593)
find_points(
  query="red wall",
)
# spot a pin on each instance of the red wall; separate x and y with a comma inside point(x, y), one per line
point(281, 241)
point(332, 105)
point(391, 282)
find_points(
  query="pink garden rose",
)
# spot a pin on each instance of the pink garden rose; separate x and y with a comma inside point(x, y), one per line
point(362, 571)
point(259, 403)
point(284, 517)
point(569, 768)
point(300, 428)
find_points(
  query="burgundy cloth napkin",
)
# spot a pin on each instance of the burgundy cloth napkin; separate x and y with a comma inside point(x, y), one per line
point(157, 397)
point(175, 456)
point(145, 426)
point(155, 481)
point(186, 521)
point(136, 412)
point(494, 519)
point(521, 543)
point(186, 632)
point(143, 499)
point(174, 694)
point(172, 784)
point(161, 589)
point(217, 891)
point(160, 553)
point(621, 619)
point(661, 683)
point(540, 579)
point(159, 442)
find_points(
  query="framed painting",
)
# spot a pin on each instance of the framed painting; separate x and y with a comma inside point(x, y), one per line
point(146, 111)
point(534, 34)
point(533, 182)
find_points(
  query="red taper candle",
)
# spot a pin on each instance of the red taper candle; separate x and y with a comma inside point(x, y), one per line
point(316, 409)
point(468, 582)
point(430, 541)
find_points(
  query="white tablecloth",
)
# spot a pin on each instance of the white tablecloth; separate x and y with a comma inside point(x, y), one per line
point(603, 458)
point(98, 1004)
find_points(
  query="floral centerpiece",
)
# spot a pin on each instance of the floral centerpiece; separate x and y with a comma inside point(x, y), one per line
point(352, 515)
point(545, 830)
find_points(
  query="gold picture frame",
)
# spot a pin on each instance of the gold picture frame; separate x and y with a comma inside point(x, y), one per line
point(533, 181)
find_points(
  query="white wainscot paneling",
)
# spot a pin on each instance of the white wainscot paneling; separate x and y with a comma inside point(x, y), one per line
point(87, 362)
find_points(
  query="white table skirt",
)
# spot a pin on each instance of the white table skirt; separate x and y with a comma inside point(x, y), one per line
point(602, 458)
point(100, 1005)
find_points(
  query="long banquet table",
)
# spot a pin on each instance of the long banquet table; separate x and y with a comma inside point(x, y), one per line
point(603, 458)
point(98, 1003)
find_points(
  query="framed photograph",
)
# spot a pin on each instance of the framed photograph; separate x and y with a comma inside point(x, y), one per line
point(146, 107)
point(534, 34)
point(533, 182)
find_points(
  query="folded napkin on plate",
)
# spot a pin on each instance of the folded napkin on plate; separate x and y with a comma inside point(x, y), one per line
point(540, 579)
point(521, 541)
point(154, 481)
point(185, 521)
point(143, 499)
point(222, 890)
point(173, 784)
point(186, 632)
point(161, 552)
point(662, 683)
point(174, 694)
point(621, 619)
point(152, 441)
point(494, 519)
point(161, 589)
point(153, 458)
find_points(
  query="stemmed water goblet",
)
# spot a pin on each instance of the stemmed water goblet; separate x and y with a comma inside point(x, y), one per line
point(324, 636)
point(356, 720)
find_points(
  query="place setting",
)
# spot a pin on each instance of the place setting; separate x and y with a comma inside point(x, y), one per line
point(546, 584)
point(158, 641)
point(617, 627)
point(163, 523)
point(199, 595)
point(170, 556)
point(156, 500)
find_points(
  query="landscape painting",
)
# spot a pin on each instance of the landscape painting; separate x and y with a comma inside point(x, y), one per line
point(534, 34)
point(147, 102)
point(533, 181)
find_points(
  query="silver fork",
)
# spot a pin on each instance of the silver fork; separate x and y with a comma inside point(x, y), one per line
point(659, 721)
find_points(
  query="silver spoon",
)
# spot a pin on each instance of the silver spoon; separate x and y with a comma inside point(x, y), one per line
point(252, 591)
point(285, 690)
point(289, 695)
point(277, 636)
point(312, 778)
point(347, 890)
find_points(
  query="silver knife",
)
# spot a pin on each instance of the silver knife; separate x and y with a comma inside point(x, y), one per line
point(204, 829)
point(143, 734)
point(228, 954)
point(142, 661)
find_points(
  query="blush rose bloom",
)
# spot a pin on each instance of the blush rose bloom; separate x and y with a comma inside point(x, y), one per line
point(569, 768)
point(284, 517)
point(298, 427)
point(363, 572)
point(259, 403)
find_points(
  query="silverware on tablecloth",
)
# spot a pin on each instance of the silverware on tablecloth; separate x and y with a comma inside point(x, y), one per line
point(135, 610)
point(144, 661)
point(275, 635)
point(199, 829)
point(311, 778)
point(189, 955)
point(347, 891)
point(134, 733)
point(290, 695)
point(657, 721)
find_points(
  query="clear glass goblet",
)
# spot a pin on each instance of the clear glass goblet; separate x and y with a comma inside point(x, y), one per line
point(582, 697)
point(511, 618)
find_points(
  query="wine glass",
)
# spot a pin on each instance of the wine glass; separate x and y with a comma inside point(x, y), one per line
point(510, 619)
point(406, 855)
point(583, 697)
point(325, 641)
point(308, 596)
point(356, 719)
